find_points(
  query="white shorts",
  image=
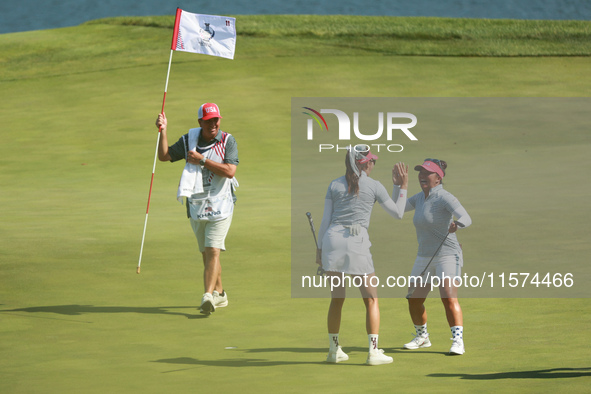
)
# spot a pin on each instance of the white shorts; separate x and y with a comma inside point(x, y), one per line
point(444, 267)
point(211, 234)
point(343, 252)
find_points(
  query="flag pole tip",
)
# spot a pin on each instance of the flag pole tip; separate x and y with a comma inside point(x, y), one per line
point(138, 270)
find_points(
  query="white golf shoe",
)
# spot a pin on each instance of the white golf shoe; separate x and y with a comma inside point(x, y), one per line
point(336, 356)
point(378, 358)
point(418, 342)
point(457, 347)
point(207, 304)
point(219, 300)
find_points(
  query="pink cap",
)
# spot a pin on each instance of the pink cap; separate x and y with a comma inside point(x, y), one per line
point(365, 159)
point(208, 111)
point(431, 167)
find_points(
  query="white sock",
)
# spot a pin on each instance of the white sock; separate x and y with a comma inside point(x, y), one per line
point(334, 342)
point(457, 332)
point(421, 330)
point(373, 343)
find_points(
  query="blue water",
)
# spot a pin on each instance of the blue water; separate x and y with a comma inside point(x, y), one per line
point(24, 15)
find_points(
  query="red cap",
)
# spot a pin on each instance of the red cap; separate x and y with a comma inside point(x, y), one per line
point(431, 167)
point(208, 111)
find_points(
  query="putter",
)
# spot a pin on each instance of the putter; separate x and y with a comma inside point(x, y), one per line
point(319, 271)
point(412, 289)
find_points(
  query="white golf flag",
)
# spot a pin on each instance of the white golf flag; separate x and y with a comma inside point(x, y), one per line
point(207, 34)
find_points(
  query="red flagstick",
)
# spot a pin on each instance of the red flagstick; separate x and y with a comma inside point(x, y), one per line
point(172, 48)
point(154, 166)
point(177, 21)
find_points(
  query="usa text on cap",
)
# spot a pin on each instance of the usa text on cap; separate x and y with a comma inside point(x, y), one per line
point(208, 111)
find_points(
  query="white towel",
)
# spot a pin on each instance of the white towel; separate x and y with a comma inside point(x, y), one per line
point(192, 178)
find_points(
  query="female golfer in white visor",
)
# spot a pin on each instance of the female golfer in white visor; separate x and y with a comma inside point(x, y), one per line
point(344, 243)
point(439, 253)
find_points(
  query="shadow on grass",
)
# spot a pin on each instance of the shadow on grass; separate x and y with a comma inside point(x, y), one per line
point(554, 373)
point(236, 362)
point(346, 349)
point(354, 360)
point(257, 362)
point(77, 310)
point(413, 352)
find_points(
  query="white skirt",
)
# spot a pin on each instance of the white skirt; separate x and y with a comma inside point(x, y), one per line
point(343, 252)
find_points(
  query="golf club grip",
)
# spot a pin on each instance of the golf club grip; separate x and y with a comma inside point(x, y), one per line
point(311, 221)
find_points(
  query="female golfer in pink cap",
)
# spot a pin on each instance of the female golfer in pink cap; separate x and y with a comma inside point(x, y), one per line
point(344, 243)
point(439, 253)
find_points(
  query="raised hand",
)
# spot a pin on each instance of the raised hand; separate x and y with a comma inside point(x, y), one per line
point(400, 175)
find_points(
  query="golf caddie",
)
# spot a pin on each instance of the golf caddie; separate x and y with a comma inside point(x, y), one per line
point(207, 184)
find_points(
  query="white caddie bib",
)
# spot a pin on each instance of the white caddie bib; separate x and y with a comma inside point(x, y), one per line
point(212, 208)
point(216, 202)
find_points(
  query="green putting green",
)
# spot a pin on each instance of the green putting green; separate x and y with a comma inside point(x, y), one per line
point(78, 140)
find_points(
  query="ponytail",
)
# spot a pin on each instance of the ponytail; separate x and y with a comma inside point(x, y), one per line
point(350, 175)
